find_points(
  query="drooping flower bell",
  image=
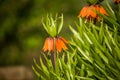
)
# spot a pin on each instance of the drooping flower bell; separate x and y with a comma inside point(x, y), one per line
point(53, 28)
point(116, 1)
point(54, 43)
point(49, 44)
point(90, 12)
point(58, 43)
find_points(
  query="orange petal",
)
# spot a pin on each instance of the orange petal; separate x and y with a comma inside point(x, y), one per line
point(64, 40)
point(83, 12)
point(97, 8)
point(48, 44)
point(88, 13)
point(60, 45)
point(45, 47)
point(92, 11)
point(102, 10)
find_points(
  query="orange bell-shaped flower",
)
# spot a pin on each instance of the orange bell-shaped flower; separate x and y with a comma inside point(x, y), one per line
point(49, 44)
point(90, 12)
point(58, 43)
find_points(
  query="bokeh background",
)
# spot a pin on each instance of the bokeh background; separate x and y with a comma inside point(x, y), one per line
point(21, 32)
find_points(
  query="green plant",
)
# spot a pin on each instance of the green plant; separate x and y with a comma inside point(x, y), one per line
point(93, 54)
point(98, 49)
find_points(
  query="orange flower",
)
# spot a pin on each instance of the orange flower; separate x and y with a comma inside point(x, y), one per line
point(116, 1)
point(89, 12)
point(83, 12)
point(49, 44)
point(60, 43)
point(102, 11)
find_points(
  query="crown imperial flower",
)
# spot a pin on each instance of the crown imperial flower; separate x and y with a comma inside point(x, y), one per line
point(90, 12)
point(48, 45)
point(58, 43)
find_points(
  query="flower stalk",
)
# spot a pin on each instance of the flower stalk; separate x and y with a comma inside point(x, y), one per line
point(54, 55)
point(54, 43)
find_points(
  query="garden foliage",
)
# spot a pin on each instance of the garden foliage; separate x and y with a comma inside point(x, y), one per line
point(93, 51)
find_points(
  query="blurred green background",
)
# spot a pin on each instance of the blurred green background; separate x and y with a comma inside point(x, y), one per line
point(21, 32)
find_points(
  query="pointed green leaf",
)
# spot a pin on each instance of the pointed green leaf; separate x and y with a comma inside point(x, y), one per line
point(60, 25)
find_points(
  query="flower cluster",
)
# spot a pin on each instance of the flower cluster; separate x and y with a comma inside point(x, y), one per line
point(90, 12)
point(58, 43)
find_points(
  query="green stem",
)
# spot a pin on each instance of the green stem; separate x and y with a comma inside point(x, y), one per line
point(54, 55)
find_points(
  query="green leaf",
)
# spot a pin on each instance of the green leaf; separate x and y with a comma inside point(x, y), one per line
point(76, 34)
point(83, 78)
point(60, 25)
point(45, 27)
point(39, 71)
point(36, 72)
point(44, 68)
